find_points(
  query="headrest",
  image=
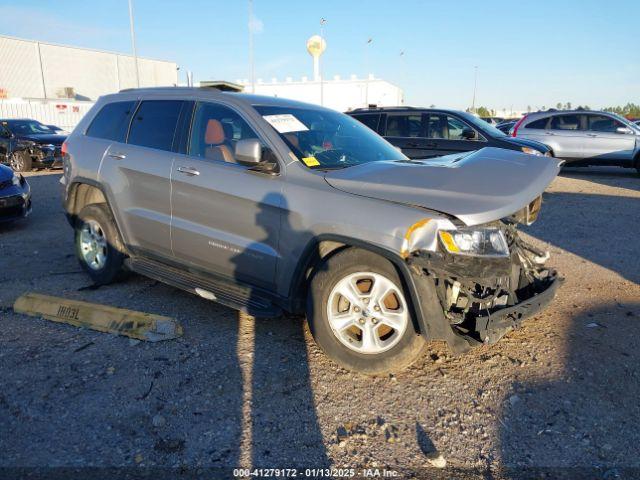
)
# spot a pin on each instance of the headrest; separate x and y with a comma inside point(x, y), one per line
point(214, 134)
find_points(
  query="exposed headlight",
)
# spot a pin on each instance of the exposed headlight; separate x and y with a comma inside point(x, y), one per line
point(16, 180)
point(531, 151)
point(486, 242)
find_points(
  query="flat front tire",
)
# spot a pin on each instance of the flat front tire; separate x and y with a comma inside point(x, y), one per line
point(98, 245)
point(358, 314)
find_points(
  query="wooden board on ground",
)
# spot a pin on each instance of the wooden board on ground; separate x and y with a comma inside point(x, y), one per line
point(103, 318)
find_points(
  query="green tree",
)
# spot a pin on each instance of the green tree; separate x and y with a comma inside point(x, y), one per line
point(483, 112)
point(630, 110)
point(558, 106)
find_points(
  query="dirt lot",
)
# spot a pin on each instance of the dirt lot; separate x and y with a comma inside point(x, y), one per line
point(560, 394)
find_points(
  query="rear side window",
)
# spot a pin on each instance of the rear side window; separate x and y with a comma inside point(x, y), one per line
point(539, 124)
point(565, 122)
point(370, 121)
point(405, 126)
point(112, 122)
point(154, 124)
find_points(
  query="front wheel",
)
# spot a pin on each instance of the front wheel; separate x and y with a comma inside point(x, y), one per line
point(98, 245)
point(359, 316)
point(20, 161)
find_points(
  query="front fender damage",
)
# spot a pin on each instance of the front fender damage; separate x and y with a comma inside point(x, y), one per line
point(481, 299)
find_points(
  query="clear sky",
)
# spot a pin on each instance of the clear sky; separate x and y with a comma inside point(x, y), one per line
point(529, 53)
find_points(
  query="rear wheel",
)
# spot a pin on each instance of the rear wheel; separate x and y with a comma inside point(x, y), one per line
point(359, 316)
point(20, 161)
point(98, 245)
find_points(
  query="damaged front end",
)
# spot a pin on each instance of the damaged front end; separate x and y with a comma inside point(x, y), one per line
point(485, 294)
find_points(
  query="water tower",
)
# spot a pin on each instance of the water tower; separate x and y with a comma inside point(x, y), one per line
point(316, 47)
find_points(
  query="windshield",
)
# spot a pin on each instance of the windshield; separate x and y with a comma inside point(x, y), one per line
point(482, 125)
point(327, 140)
point(29, 127)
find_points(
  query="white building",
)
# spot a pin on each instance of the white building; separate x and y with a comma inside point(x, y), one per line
point(31, 69)
point(339, 94)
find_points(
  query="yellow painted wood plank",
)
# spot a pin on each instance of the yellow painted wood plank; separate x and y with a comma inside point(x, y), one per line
point(103, 318)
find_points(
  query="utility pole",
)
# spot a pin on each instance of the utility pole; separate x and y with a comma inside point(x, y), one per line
point(475, 86)
point(133, 43)
point(252, 75)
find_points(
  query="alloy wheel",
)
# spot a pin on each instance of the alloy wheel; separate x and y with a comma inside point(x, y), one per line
point(367, 312)
point(93, 245)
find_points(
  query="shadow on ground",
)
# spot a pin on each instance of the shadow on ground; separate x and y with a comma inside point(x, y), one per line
point(587, 417)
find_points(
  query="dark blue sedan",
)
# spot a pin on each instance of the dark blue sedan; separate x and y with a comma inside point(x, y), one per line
point(15, 195)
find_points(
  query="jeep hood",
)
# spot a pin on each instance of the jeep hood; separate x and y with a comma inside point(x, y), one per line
point(476, 187)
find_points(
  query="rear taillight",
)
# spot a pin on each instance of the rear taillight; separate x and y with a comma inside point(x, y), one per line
point(514, 132)
point(63, 149)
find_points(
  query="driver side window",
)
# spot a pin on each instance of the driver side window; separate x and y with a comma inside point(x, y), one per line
point(215, 131)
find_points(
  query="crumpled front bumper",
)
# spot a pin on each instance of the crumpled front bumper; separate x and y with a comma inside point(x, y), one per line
point(478, 300)
point(492, 326)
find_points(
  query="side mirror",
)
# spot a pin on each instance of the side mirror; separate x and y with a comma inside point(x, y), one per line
point(623, 130)
point(469, 134)
point(248, 151)
point(6, 134)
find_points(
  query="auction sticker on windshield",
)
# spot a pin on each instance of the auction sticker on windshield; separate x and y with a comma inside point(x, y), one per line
point(285, 123)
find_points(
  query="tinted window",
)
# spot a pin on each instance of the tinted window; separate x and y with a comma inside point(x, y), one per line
point(154, 124)
point(603, 123)
point(370, 121)
point(112, 122)
point(216, 130)
point(405, 126)
point(565, 122)
point(445, 127)
point(539, 124)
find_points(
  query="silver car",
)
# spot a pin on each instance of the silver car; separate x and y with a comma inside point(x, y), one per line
point(584, 137)
point(268, 205)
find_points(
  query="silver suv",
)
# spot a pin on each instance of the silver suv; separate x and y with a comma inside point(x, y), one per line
point(268, 205)
point(584, 137)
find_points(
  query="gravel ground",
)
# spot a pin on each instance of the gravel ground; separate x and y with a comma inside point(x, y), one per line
point(559, 394)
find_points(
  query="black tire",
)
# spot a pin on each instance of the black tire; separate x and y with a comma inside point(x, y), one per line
point(21, 161)
point(112, 269)
point(348, 261)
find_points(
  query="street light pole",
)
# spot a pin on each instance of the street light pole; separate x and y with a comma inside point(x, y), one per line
point(475, 86)
point(133, 43)
point(251, 64)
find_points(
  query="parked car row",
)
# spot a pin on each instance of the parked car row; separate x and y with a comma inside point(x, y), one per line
point(27, 144)
point(580, 137)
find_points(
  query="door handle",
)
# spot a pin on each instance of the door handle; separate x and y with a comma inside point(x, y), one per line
point(591, 135)
point(431, 144)
point(118, 156)
point(412, 144)
point(188, 171)
point(549, 133)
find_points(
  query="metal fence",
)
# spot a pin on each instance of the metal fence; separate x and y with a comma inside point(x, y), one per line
point(63, 114)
